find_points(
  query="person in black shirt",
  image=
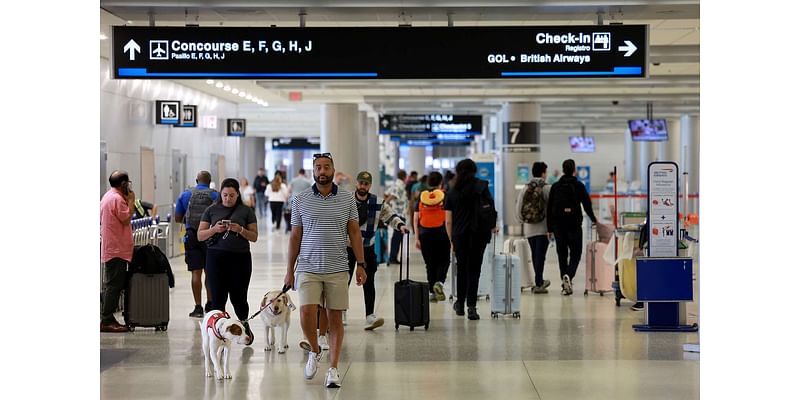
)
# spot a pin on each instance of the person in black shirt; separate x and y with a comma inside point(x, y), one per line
point(260, 184)
point(564, 219)
point(468, 239)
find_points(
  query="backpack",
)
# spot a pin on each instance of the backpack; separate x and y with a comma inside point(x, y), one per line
point(533, 207)
point(149, 259)
point(566, 207)
point(198, 202)
point(431, 215)
point(486, 214)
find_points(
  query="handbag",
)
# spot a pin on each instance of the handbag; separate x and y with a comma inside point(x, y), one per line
point(216, 236)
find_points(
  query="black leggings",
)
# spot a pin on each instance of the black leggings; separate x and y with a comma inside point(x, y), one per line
point(569, 246)
point(277, 212)
point(371, 268)
point(228, 273)
point(469, 257)
point(435, 247)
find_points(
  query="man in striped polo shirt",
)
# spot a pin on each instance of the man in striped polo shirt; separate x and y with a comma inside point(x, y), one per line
point(324, 217)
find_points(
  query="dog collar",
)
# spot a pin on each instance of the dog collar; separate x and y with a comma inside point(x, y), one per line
point(212, 322)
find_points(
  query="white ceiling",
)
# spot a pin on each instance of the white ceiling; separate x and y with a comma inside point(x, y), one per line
point(673, 86)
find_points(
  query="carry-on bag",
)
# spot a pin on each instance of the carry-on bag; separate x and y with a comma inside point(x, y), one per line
point(147, 301)
point(599, 273)
point(506, 283)
point(411, 301)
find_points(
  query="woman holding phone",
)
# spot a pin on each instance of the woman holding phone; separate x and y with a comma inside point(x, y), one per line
point(228, 227)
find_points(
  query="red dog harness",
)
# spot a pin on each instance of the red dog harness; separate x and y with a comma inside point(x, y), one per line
point(212, 322)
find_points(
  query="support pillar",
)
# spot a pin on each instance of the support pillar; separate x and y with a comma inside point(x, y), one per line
point(416, 160)
point(519, 140)
point(339, 135)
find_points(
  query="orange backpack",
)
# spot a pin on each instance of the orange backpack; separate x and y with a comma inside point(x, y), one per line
point(431, 209)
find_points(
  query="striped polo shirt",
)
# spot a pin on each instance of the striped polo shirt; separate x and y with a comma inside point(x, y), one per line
point(323, 249)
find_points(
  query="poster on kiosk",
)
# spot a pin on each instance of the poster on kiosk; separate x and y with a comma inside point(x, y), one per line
point(662, 209)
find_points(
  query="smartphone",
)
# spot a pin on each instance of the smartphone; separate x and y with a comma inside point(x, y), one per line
point(126, 188)
point(225, 222)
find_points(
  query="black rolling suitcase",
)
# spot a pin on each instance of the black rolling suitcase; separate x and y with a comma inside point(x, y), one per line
point(147, 293)
point(411, 302)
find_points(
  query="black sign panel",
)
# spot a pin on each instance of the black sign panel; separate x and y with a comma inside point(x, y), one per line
point(295, 144)
point(237, 127)
point(605, 51)
point(188, 117)
point(516, 133)
point(392, 124)
point(168, 112)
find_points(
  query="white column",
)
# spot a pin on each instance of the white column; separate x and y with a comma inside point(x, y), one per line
point(297, 163)
point(253, 154)
point(645, 158)
point(630, 160)
point(340, 127)
point(416, 160)
point(526, 117)
point(674, 143)
point(362, 141)
point(373, 155)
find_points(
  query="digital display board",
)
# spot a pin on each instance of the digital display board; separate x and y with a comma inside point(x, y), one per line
point(295, 143)
point(603, 51)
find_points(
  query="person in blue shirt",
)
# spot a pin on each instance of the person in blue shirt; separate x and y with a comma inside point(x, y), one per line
point(189, 209)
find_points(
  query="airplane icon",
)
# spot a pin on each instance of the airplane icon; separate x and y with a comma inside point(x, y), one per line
point(158, 50)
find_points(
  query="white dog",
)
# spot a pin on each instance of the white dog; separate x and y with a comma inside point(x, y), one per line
point(219, 331)
point(277, 314)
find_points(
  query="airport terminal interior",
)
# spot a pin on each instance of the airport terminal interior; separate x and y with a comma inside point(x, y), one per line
point(615, 88)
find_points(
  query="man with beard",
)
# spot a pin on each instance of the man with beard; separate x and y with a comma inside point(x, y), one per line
point(368, 207)
point(324, 219)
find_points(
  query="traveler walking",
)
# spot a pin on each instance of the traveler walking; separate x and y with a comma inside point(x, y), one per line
point(228, 227)
point(564, 218)
point(260, 184)
point(470, 218)
point(323, 219)
point(432, 239)
point(398, 200)
point(370, 213)
point(532, 211)
point(116, 245)
point(277, 193)
point(189, 208)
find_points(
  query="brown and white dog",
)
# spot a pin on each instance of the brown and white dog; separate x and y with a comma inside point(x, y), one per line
point(219, 331)
point(276, 315)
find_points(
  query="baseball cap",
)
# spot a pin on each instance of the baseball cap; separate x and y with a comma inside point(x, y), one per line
point(364, 176)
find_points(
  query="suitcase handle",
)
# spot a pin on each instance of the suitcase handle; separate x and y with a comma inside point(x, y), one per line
point(406, 259)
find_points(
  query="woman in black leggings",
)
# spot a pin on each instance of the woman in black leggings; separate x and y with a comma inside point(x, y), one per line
point(231, 226)
point(278, 192)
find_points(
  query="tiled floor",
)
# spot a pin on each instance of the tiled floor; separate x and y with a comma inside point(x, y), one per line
point(562, 348)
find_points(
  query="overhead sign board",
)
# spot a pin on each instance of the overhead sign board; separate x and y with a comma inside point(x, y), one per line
point(395, 124)
point(295, 143)
point(605, 51)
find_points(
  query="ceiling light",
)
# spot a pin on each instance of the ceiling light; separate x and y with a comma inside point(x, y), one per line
point(242, 94)
point(210, 81)
point(103, 36)
point(130, 22)
point(235, 91)
point(227, 88)
point(219, 85)
point(249, 97)
point(265, 104)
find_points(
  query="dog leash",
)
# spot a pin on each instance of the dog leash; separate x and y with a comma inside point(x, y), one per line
point(283, 291)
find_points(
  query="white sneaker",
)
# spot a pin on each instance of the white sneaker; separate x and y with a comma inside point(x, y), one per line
point(344, 318)
point(323, 342)
point(373, 322)
point(332, 379)
point(311, 365)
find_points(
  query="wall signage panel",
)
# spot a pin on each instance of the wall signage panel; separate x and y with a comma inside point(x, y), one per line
point(604, 51)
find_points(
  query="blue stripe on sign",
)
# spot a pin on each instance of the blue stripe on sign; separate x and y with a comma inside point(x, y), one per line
point(616, 71)
point(142, 72)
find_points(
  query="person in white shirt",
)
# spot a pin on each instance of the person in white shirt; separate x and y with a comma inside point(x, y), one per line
point(248, 193)
point(278, 193)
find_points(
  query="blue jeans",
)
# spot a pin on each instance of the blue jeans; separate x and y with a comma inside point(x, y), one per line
point(539, 246)
point(261, 204)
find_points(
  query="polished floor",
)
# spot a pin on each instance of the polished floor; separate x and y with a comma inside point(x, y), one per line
point(572, 347)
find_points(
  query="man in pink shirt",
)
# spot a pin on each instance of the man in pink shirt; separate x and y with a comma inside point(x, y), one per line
point(116, 249)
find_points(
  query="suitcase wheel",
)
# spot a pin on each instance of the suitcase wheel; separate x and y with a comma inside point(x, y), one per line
point(487, 297)
point(450, 298)
point(601, 293)
point(396, 326)
point(516, 315)
point(412, 329)
point(131, 328)
point(426, 327)
point(586, 292)
point(494, 315)
point(162, 328)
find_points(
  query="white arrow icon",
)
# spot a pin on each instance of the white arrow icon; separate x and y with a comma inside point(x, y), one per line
point(132, 47)
point(629, 47)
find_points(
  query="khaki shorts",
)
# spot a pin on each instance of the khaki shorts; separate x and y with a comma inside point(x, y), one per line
point(328, 289)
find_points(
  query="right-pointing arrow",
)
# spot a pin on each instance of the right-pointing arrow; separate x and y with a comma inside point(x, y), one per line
point(629, 47)
point(132, 47)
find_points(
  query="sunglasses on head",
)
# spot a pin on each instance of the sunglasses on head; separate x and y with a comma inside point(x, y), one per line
point(323, 155)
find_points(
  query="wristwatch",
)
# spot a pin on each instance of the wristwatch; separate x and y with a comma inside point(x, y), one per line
point(361, 263)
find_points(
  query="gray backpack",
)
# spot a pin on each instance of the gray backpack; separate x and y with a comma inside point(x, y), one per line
point(198, 202)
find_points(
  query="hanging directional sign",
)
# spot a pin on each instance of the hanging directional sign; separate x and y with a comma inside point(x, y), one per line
point(607, 51)
point(395, 124)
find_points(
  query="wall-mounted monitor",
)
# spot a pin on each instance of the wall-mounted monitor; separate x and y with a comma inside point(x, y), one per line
point(650, 130)
point(168, 112)
point(188, 117)
point(236, 126)
point(581, 144)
